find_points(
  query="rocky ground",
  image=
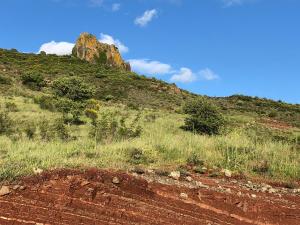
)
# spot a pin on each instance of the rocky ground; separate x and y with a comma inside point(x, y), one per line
point(145, 197)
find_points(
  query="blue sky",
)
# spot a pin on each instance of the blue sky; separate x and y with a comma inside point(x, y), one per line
point(212, 47)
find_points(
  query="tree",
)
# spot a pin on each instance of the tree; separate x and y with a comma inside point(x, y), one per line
point(73, 88)
point(203, 117)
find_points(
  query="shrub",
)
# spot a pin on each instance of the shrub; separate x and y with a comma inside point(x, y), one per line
point(47, 102)
point(93, 104)
point(92, 114)
point(6, 123)
point(62, 131)
point(129, 131)
point(49, 131)
point(30, 130)
point(11, 106)
point(4, 80)
point(34, 81)
point(273, 114)
point(67, 106)
point(136, 156)
point(203, 117)
point(193, 160)
point(105, 128)
point(109, 128)
point(46, 132)
point(72, 88)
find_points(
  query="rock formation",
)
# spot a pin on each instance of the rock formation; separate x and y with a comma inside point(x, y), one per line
point(90, 49)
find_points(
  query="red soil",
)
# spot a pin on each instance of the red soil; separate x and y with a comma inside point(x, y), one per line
point(76, 197)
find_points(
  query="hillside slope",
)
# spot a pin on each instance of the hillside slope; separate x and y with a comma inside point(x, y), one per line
point(126, 87)
point(111, 83)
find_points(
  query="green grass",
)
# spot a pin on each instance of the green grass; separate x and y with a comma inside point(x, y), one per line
point(162, 143)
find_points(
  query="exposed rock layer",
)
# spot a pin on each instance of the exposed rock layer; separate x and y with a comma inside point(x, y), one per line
point(90, 49)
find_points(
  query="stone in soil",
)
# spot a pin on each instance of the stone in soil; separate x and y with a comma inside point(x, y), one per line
point(84, 183)
point(183, 196)
point(175, 175)
point(37, 171)
point(227, 173)
point(189, 179)
point(4, 190)
point(16, 187)
point(115, 180)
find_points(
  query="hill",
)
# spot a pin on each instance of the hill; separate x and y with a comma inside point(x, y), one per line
point(261, 139)
point(111, 83)
point(128, 87)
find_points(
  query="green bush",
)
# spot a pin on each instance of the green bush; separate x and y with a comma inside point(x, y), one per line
point(136, 156)
point(7, 125)
point(34, 81)
point(273, 114)
point(61, 129)
point(67, 106)
point(72, 88)
point(203, 117)
point(5, 80)
point(46, 131)
point(193, 160)
point(56, 129)
point(110, 127)
point(47, 102)
point(30, 130)
point(11, 107)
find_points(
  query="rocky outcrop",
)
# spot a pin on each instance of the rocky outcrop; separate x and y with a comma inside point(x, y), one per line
point(90, 49)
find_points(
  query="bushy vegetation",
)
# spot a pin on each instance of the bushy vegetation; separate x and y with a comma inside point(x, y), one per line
point(73, 88)
point(6, 123)
point(42, 139)
point(51, 122)
point(113, 127)
point(34, 81)
point(203, 117)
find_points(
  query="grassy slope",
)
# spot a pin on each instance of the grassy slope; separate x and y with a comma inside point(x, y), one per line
point(126, 87)
point(130, 88)
point(247, 145)
point(163, 143)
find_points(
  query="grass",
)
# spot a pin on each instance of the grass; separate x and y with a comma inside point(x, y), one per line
point(162, 145)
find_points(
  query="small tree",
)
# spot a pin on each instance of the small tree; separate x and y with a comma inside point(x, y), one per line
point(203, 117)
point(72, 93)
point(34, 81)
point(73, 88)
point(67, 106)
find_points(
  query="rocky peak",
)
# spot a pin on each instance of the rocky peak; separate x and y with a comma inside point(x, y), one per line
point(90, 49)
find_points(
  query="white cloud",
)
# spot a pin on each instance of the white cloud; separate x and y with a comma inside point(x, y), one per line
point(208, 74)
point(145, 18)
point(115, 7)
point(58, 48)
point(105, 38)
point(149, 67)
point(185, 75)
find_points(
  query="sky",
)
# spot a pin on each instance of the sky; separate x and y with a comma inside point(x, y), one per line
point(210, 47)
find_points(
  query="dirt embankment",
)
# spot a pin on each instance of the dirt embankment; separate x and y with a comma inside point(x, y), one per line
point(105, 197)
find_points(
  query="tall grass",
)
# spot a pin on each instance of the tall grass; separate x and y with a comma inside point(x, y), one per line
point(162, 143)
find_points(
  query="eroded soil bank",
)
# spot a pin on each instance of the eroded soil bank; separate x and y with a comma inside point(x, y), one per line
point(109, 197)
